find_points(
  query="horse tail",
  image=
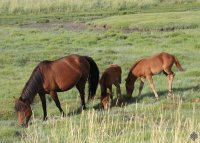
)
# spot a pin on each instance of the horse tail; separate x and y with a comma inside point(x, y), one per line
point(93, 78)
point(120, 77)
point(178, 65)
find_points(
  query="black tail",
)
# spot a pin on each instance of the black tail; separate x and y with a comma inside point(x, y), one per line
point(93, 78)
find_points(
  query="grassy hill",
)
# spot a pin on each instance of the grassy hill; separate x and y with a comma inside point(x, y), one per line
point(109, 35)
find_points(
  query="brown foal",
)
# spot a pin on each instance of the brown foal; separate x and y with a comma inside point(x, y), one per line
point(147, 67)
point(112, 75)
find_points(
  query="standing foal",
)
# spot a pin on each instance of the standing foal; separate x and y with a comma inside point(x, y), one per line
point(146, 68)
point(112, 75)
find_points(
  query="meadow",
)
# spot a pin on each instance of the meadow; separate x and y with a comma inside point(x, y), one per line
point(111, 32)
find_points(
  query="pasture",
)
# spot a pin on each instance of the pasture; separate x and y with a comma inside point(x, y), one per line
point(110, 34)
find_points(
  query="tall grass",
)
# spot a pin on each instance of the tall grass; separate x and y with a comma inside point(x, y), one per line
point(46, 6)
point(94, 126)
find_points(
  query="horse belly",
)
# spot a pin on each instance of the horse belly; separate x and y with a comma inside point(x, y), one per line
point(66, 76)
point(67, 82)
point(156, 70)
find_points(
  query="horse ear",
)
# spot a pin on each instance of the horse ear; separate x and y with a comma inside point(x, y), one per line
point(15, 99)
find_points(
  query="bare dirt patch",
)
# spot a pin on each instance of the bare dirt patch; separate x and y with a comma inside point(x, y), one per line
point(69, 26)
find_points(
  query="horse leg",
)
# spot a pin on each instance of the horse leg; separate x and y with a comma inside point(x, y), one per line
point(149, 78)
point(81, 88)
point(118, 90)
point(141, 86)
point(57, 102)
point(43, 100)
point(170, 76)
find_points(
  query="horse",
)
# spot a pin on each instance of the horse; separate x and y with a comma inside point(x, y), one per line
point(112, 75)
point(148, 67)
point(50, 77)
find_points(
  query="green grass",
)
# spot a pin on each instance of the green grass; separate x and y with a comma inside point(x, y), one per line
point(22, 46)
point(152, 21)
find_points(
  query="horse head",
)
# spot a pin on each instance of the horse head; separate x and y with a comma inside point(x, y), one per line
point(24, 112)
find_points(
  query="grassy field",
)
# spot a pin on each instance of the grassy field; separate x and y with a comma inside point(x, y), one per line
point(108, 35)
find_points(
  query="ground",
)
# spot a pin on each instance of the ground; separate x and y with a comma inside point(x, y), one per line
point(120, 38)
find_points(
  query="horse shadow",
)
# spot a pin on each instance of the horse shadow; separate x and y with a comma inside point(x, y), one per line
point(126, 100)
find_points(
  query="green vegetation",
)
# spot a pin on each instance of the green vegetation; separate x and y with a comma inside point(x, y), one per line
point(155, 21)
point(119, 36)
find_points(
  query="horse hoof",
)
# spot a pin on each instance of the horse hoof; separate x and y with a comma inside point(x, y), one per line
point(45, 118)
point(168, 97)
point(63, 114)
point(156, 99)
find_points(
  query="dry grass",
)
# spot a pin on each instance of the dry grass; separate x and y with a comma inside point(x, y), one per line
point(46, 6)
point(123, 127)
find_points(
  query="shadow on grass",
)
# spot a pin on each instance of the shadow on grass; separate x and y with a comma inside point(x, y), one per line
point(125, 100)
point(76, 112)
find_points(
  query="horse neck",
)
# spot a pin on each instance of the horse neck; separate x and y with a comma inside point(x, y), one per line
point(103, 90)
point(103, 86)
point(132, 77)
point(28, 96)
point(32, 87)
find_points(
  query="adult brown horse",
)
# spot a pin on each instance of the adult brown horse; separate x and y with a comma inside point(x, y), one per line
point(50, 77)
point(112, 75)
point(146, 68)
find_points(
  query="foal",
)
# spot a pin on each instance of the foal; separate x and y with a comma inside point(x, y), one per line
point(146, 68)
point(112, 75)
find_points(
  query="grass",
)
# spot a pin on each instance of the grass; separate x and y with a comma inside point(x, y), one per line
point(134, 126)
point(27, 39)
point(149, 21)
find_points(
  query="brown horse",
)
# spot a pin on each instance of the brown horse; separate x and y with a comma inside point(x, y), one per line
point(146, 68)
point(110, 76)
point(50, 77)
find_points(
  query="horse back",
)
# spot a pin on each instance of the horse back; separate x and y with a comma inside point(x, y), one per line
point(153, 65)
point(64, 73)
point(110, 75)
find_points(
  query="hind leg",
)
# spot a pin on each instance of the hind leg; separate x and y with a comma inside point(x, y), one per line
point(81, 88)
point(170, 76)
point(57, 102)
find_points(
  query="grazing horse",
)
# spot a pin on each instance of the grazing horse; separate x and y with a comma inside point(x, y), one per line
point(146, 68)
point(112, 75)
point(50, 77)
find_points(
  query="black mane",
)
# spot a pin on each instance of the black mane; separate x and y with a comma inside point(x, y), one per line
point(32, 86)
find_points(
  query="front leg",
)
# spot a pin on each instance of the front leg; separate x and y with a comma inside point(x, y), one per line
point(141, 86)
point(57, 102)
point(110, 92)
point(149, 78)
point(43, 100)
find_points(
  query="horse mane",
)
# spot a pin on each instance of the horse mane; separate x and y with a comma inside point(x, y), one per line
point(136, 63)
point(130, 72)
point(18, 105)
point(32, 86)
point(102, 82)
